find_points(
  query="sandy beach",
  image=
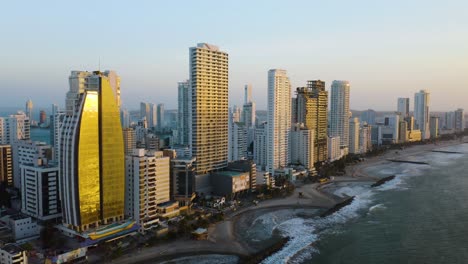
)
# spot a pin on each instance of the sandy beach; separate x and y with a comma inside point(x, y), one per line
point(223, 237)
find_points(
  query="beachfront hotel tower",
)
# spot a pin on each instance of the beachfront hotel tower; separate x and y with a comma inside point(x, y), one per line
point(183, 113)
point(208, 107)
point(279, 120)
point(339, 112)
point(92, 163)
point(421, 112)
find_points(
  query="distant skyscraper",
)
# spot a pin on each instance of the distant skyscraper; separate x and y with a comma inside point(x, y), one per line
point(434, 126)
point(237, 143)
point(125, 118)
point(403, 107)
point(208, 107)
point(459, 120)
point(279, 119)
point(42, 117)
point(310, 108)
point(421, 112)
point(183, 113)
point(56, 121)
point(368, 116)
point(353, 146)
point(92, 162)
point(365, 143)
point(148, 111)
point(247, 93)
point(29, 110)
point(339, 111)
point(260, 145)
point(160, 116)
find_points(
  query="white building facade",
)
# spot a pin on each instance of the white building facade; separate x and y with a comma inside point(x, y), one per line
point(421, 112)
point(339, 111)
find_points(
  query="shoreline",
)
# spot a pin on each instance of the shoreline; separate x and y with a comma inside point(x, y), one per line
point(223, 238)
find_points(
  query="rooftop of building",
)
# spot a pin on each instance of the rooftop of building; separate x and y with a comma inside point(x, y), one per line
point(230, 173)
point(12, 249)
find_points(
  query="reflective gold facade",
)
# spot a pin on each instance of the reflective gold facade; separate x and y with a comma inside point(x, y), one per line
point(88, 161)
point(112, 155)
point(92, 162)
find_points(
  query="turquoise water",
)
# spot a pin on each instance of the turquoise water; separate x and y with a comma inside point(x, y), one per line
point(419, 217)
point(40, 134)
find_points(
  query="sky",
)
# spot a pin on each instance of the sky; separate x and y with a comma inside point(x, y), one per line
point(385, 49)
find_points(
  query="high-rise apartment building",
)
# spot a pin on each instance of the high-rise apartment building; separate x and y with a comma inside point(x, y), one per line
point(148, 112)
point(302, 146)
point(459, 120)
point(6, 165)
point(434, 126)
point(238, 137)
point(92, 163)
point(365, 142)
point(421, 112)
point(125, 118)
point(310, 108)
point(28, 152)
point(403, 107)
point(334, 151)
point(13, 128)
point(339, 111)
point(368, 116)
point(279, 120)
point(160, 116)
point(56, 121)
point(147, 183)
point(353, 146)
point(208, 107)
point(129, 137)
point(183, 113)
point(260, 145)
point(40, 190)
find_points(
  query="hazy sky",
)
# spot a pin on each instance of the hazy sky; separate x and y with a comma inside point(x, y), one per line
point(386, 49)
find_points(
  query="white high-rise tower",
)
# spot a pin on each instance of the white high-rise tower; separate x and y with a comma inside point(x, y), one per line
point(279, 119)
point(339, 111)
point(421, 112)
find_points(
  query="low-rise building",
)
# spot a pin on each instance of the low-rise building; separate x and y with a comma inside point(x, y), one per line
point(230, 182)
point(12, 254)
point(23, 228)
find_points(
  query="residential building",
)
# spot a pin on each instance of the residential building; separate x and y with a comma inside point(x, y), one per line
point(147, 183)
point(365, 143)
point(237, 142)
point(208, 107)
point(29, 111)
point(260, 145)
point(125, 118)
point(339, 111)
point(183, 180)
point(310, 108)
point(403, 106)
point(28, 152)
point(302, 146)
point(160, 116)
point(368, 116)
point(183, 113)
point(459, 120)
point(56, 121)
point(334, 152)
point(24, 228)
point(92, 162)
point(12, 254)
point(40, 191)
point(129, 137)
point(279, 120)
point(6, 165)
point(434, 126)
point(353, 146)
point(13, 128)
point(421, 112)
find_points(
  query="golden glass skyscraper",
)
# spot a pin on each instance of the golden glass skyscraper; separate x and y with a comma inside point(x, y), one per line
point(92, 152)
point(209, 107)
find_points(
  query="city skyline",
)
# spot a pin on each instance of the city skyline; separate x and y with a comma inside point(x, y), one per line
point(388, 58)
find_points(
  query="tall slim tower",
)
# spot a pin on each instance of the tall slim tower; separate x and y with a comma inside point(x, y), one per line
point(403, 107)
point(339, 111)
point(421, 112)
point(160, 116)
point(247, 93)
point(209, 107)
point(92, 163)
point(29, 110)
point(279, 119)
point(183, 113)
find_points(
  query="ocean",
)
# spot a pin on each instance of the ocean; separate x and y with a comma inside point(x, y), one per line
point(419, 217)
